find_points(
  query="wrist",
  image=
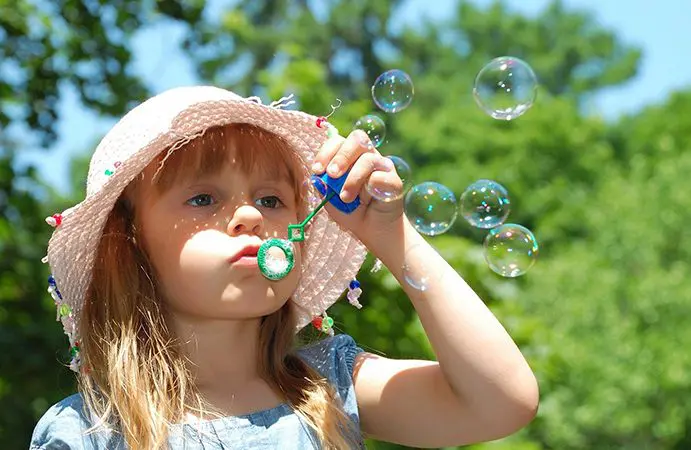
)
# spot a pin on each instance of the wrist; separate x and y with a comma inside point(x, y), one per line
point(390, 244)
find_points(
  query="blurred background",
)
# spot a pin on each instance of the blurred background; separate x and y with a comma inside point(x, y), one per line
point(595, 169)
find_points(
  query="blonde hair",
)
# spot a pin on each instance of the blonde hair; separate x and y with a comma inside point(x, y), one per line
point(137, 380)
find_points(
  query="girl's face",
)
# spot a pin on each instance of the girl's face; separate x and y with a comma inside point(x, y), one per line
point(196, 231)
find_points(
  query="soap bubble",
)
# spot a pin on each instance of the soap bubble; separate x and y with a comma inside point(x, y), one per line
point(405, 173)
point(311, 194)
point(505, 88)
point(485, 204)
point(391, 193)
point(374, 127)
point(393, 91)
point(431, 207)
point(416, 273)
point(510, 250)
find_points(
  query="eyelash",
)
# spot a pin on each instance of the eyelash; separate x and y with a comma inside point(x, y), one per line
point(280, 203)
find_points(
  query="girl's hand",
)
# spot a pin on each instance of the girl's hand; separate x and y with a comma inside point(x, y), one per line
point(374, 218)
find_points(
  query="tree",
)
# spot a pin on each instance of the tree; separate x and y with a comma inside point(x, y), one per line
point(43, 47)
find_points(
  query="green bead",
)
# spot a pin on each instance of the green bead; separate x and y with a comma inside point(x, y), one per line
point(109, 172)
point(327, 323)
point(64, 310)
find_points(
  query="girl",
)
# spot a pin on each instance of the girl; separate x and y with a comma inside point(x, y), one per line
point(180, 342)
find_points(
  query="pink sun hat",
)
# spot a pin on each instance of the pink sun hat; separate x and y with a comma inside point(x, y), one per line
point(332, 256)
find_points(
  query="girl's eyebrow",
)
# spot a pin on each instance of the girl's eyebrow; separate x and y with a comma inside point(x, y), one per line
point(282, 183)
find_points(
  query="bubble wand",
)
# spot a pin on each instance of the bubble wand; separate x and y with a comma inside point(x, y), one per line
point(276, 269)
point(272, 268)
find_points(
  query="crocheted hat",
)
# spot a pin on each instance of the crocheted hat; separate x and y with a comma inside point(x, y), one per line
point(331, 255)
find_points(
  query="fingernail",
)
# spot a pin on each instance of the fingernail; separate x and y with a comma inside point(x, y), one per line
point(364, 139)
point(386, 164)
point(345, 195)
point(333, 169)
point(317, 167)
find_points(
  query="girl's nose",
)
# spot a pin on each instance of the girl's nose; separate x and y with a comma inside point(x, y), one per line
point(246, 220)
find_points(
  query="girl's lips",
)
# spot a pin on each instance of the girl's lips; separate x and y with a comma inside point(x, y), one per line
point(246, 255)
point(245, 261)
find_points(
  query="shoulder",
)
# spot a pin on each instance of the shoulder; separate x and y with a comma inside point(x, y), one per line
point(333, 358)
point(334, 355)
point(60, 426)
point(63, 427)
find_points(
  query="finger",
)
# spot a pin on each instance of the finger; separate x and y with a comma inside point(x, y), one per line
point(361, 171)
point(355, 145)
point(358, 175)
point(383, 186)
point(326, 154)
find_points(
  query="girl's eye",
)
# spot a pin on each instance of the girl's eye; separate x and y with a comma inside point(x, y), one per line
point(201, 200)
point(270, 201)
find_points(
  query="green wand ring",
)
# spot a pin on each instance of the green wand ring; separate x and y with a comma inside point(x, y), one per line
point(271, 270)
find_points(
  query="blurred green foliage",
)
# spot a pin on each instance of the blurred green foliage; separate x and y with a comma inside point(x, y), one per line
point(601, 317)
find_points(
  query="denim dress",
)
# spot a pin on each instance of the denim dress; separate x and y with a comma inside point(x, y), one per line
point(62, 426)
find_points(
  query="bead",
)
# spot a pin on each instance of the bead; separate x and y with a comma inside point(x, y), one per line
point(326, 323)
point(51, 280)
point(320, 121)
point(353, 299)
point(332, 131)
point(55, 220)
point(65, 310)
point(117, 164)
point(109, 172)
point(55, 293)
point(317, 322)
point(354, 284)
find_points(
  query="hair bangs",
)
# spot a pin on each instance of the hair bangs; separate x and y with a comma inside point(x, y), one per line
point(253, 149)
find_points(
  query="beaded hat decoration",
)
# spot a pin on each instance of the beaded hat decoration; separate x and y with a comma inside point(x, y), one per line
point(331, 256)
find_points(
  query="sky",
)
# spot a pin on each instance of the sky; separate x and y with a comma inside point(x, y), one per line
point(660, 28)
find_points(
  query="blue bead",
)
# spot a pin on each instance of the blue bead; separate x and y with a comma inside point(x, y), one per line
point(51, 281)
point(354, 284)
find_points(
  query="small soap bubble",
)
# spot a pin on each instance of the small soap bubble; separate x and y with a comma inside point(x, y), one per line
point(485, 204)
point(320, 189)
point(393, 91)
point(416, 273)
point(505, 88)
point(431, 208)
point(510, 250)
point(312, 196)
point(391, 193)
point(374, 127)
